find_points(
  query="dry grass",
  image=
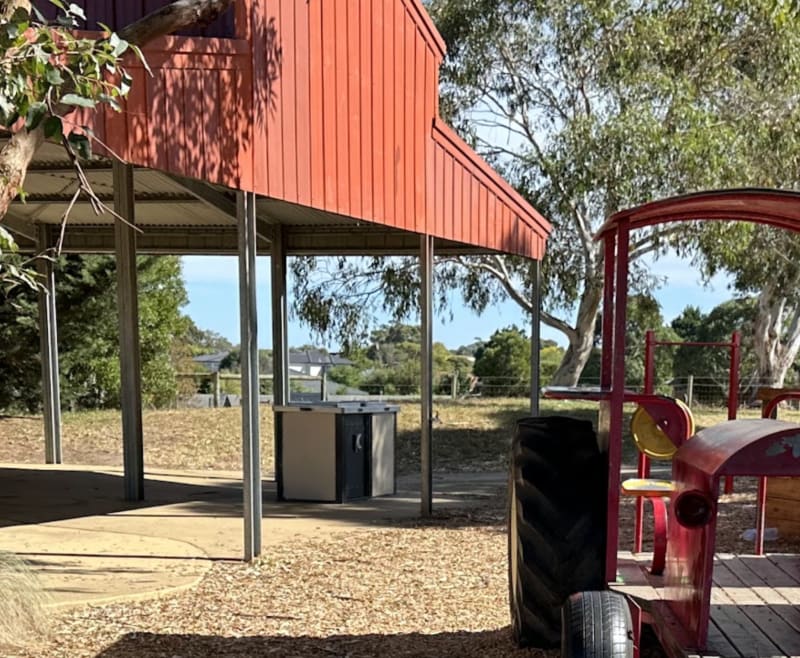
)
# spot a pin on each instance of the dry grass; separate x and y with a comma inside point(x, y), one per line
point(471, 435)
point(23, 619)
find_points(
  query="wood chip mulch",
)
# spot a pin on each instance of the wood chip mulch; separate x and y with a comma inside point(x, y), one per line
point(433, 589)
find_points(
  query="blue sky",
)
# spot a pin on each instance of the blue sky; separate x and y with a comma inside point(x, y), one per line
point(212, 285)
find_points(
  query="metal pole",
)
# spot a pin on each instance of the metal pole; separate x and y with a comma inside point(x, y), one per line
point(733, 392)
point(280, 339)
point(426, 355)
point(609, 268)
point(690, 391)
point(130, 350)
point(733, 383)
point(251, 445)
point(536, 303)
point(48, 347)
point(216, 389)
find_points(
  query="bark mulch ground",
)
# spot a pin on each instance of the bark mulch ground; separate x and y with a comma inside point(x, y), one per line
point(432, 589)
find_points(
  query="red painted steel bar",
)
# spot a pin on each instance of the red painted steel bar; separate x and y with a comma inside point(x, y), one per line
point(617, 398)
point(643, 466)
point(761, 515)
point(608, 310)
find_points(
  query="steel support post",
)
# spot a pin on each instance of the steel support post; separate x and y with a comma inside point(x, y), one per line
point(130, 352)
point(536, 311)
point(280, 320)
point(426, 388)
point(617, 395)
point(251, 444)
point(48, 347)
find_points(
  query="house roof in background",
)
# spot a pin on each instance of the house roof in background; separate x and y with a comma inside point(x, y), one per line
point(296, 358)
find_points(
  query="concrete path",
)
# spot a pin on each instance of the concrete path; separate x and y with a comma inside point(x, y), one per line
point(89, 546)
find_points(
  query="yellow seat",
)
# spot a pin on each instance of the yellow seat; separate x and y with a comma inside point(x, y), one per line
point(647, 487)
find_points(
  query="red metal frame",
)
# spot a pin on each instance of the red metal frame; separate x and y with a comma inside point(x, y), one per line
point(776, 208)
point(643, 465)
point(735, 448)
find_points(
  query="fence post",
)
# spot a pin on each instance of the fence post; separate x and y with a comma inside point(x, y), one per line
point(690, 391)
point(454, 386)
point(216, 389)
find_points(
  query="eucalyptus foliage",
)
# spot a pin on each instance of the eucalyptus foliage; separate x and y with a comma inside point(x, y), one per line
point(47, 70)
point(592, 106)
point(88, 334)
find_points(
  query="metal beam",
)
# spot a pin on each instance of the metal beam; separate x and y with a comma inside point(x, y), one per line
point(251, 442)
point(130, 352)
point(213, 198)
point(426, 355)
point(140, 197)
point(48, 349)
point(280, 320)
point(536, 312)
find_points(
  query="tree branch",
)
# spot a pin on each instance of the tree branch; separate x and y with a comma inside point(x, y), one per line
point(173, 17)
point(500, 272)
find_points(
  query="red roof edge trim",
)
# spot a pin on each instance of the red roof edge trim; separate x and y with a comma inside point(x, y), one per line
point(447, 138)
point(424, 21)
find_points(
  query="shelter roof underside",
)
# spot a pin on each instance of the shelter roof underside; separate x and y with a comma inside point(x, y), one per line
point(185, 216)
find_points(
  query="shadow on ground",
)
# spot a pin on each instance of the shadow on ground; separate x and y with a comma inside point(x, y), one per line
point(485, 644)
point(42, 495)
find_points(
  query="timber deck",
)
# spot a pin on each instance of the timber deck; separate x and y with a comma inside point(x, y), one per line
point(755, 606)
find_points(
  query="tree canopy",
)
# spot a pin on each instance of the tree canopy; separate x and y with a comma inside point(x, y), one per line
point(589, 107)
point(88, 339)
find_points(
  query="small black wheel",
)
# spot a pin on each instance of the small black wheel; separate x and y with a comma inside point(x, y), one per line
point(596, 625)
point(556, 524)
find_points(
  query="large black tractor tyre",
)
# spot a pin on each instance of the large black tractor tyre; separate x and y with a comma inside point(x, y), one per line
point(596, 625)
point(556, 523)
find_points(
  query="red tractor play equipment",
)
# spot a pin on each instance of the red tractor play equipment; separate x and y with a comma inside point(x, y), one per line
point(568, 581)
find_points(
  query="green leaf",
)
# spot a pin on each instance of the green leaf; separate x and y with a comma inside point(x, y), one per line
point(81, 144)
point(53, 128)
point(36, 112)
point(53, 76)
point(74, 99)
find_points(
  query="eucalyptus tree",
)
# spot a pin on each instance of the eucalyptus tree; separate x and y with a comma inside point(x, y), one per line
point(588, 107)
point(592, 106)
point(765, 268)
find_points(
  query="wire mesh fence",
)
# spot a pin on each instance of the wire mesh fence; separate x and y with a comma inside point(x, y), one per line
point(212, 389)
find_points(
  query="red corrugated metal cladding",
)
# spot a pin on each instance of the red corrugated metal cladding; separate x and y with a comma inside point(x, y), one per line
point(331, 104)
